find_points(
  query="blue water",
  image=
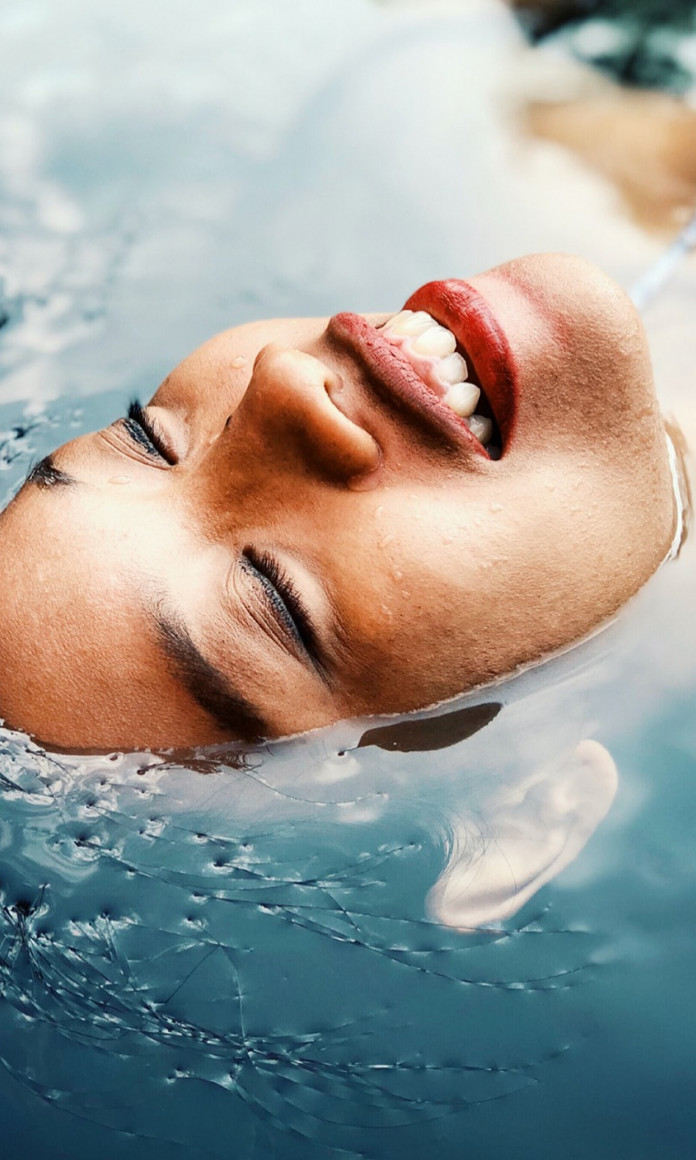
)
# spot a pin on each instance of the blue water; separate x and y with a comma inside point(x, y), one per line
point(250, 956)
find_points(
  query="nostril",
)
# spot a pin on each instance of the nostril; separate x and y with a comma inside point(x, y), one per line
point(356, 453)
point(333, 385)
point(367, 480)
point(296, 404)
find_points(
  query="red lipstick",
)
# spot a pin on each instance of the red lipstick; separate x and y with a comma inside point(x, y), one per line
point(465, 312)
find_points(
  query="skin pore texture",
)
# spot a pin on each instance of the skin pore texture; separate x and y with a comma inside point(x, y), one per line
point(312, 535)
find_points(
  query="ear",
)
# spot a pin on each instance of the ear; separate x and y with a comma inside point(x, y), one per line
point(524, 840)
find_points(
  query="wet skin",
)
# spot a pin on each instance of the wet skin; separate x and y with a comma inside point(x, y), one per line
point(312, 546)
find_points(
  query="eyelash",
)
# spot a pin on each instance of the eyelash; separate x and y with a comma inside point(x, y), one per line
point(142, 432)
point(284, 597)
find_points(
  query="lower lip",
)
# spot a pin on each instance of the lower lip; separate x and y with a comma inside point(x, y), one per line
point(460, 308)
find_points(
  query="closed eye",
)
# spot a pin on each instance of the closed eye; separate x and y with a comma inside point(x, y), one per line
point(143, 431)
point(285, 601)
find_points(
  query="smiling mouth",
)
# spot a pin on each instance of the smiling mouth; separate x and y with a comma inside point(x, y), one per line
point(447, 369)
point(445, 358)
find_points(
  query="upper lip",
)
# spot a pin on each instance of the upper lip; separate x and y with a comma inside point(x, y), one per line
point(462, 309)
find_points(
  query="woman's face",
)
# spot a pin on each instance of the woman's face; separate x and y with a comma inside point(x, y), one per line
point(299, 528)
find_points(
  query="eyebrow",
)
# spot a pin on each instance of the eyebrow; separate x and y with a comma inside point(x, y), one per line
point(208, 686)
point(46, 473)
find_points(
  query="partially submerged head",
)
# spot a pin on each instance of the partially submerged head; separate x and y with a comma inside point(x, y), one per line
point(299, 529)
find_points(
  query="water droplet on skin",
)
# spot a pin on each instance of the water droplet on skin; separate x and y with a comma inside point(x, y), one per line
point(496, 507)
point(379, 511)
point(239, 362)
point(120, 479)
point(386, 540)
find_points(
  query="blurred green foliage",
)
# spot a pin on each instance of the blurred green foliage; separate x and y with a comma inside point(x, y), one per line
point(644, 50)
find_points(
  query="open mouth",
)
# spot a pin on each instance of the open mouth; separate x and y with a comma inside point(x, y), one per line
point(444, 359)
point(448, 370)
point(461, 308)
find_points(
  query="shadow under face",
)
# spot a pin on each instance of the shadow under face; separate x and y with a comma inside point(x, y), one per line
point(430, 733)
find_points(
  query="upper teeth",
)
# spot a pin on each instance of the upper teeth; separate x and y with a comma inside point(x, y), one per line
point(452, 369)
point(435, 341)
point(432, 349)
point(408, 322)
point(462, 398)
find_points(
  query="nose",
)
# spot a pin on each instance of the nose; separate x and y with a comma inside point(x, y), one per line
point(293, 406)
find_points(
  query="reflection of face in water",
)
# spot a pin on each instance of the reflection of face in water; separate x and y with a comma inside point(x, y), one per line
point(299, 529)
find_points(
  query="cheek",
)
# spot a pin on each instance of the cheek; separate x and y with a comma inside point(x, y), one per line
point(495, 581)
point(208, 385)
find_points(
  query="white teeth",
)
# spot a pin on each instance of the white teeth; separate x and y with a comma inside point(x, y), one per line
point(482, 427)
point(435, 342)
point(451, 369)
point(428, 340)
point(462, 398)
point(408, 322)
